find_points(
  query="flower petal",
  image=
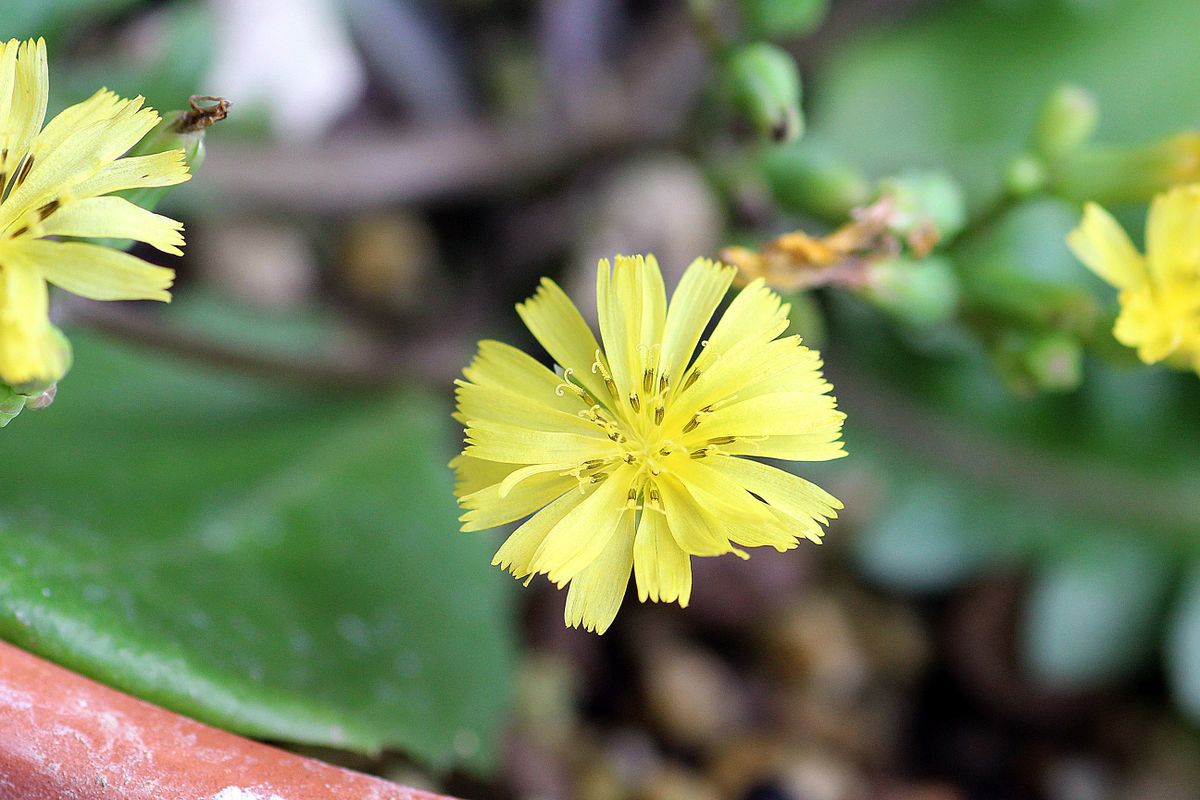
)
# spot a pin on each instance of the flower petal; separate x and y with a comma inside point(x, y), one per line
point(663, 571)
point(30, 94)
point(596, 593)
point(1101, 244)
point(135, 172)
point(517, 553)
point(492, 505)
point(115, 218)
point(30, 350)
point(1173, 235)
point(495, 441)
point(693, 528)
point(92, 271)
point(557, 324)
point(746, 520)
point(522, 409)
point(692, 305)
point(796, 497)
point(583, 533)
point(756, 315)
point(504, 366)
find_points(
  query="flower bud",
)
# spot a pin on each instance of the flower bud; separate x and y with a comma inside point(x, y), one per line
point(809, 180)
point(1049, 361)
point(178, 130)
point(776, 19)
point(11, 404)
point(921, 292)
point(1026, 175)
point(1067, 120)
point(1113, 175)
point(925, 200)
point(1055, 362)
point(764, 85)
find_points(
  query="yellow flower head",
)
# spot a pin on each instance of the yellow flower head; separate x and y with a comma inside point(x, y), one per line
point(633, 457)
point(1160, 291)
point(53, 182)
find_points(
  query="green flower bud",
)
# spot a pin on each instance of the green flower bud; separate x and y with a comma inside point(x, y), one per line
point(764, 85)
point(808, 180)
point(1038, 362)
point(1026, 175)
point(1055, 362)
point(1067, 120)
point(11, 404)
point(921, 292)
point(922, 199)
point(776, 19)
point(178, 130)
point(1114, 175)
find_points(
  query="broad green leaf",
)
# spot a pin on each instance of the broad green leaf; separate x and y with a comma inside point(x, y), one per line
point(281, 564)
point(1091, 615)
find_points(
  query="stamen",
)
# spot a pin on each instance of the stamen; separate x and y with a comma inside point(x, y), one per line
point(648, 380)
point(609, 383)
point(659, 412)
point(24, 173)
point(663, 383)
point(599, 476)
point(692, 378)
point(655, 497)
point(723, 440)
point(691, 426)
point(48, 209)
point(701, 453)
point(635, 402)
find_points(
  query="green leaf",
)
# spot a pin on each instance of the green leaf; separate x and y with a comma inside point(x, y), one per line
point(281, 564)
point(1092, 613)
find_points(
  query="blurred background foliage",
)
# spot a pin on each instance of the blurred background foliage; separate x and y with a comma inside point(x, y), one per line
point(238, 506)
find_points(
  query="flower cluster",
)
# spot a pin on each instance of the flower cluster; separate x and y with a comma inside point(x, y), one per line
point(56, 185)
point(637, 456)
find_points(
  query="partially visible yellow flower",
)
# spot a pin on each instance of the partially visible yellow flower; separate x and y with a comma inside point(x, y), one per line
point(54, 181)
point(636, 457)
point(1160, 291)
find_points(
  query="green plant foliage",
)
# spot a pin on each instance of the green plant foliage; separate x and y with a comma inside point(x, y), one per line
point(778, 19)
point(951, 89)
point(1091, 613)
point(284, 565)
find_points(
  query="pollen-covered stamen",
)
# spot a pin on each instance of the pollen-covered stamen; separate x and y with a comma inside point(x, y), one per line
point(631, 498)
point(598, 368)
point(596, 415)
point(696, 419)
point(653, 498)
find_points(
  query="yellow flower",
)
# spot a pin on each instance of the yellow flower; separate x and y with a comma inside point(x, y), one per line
point(53, 182)
point(1159, 292)
point(631, 458)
